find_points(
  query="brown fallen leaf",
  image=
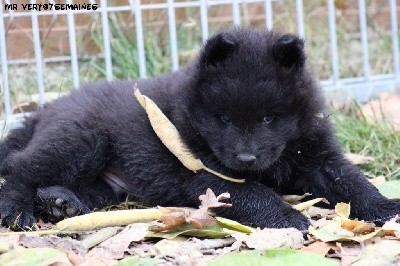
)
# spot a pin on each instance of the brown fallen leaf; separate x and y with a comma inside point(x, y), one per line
point(307, 204)
point(331, 230)
point(348, 254)
point(208, 244)
point(318, 248)
point(99, 262)
point(359, 158)
point(170, 221)
point(169, 247)
point(99, 236)
point(197, 218)
point(9, 242)
point(377, 180)
point(115, 247)
point(320, 212)
point(392, 227)
point(387, 106)
point(269, 238)
point(359, 227)
point(239, 240)
point(384, 252)
point(25, 107)
point(61, 243)
point(294, 199)
point(200, 218)
point(75, 258)
point(209, 200)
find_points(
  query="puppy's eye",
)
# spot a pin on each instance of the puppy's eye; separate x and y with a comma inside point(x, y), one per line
point(226, 119)
point(267, 119)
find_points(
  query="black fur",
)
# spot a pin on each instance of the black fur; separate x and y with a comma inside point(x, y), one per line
point(248, 106)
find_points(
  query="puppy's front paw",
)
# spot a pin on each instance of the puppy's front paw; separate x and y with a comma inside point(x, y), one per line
point(378, 213)
point(18, 220)
point(16, 210)
point(293, 218)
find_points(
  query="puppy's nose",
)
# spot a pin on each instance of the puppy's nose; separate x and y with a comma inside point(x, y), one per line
point(247, 158)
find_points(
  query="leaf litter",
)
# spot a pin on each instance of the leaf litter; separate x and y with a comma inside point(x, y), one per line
point(184, 236)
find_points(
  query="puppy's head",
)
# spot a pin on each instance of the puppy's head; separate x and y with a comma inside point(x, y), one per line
point(251, 92)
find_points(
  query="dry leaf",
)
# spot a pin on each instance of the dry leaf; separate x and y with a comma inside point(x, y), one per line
point(25, 107)
point(292, 199)
point(343, 210)
point(170, 220)
point(385, 252)
point(200, 218)
point(9, 242)
point(209, 200)
point(168, 133)
point(348, 254)
point(392, 228)
point(238, 236)
point(99, 236)
point(332, 231)
point(97, 220)
point(387, 106)
point(378, 180)
point(359, 159)
point(114, 247)
point(197, 218)
point(358, 227)
point(56, 242)
point(320, 212)
point(307, 204)
point(170, 137)
point(319, 248)
point(269, 238)
point(75, 258)
point(169, 247)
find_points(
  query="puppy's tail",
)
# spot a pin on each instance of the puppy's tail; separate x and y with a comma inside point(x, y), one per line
point(17, 140)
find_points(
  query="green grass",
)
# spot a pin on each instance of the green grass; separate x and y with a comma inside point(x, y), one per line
point(378, 140)
point(124, 54)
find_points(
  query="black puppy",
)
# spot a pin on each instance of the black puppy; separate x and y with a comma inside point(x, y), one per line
point(248, 106)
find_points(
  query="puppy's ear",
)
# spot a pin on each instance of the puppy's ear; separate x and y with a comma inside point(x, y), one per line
point(289, 51)
point(218, 49)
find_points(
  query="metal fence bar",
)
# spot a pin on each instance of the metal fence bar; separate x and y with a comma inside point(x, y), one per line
point(395, 38)
point(4, 65)
point(172, 35)
point(38, 54)
point(72, 47)
point(333, 41)
point(204, 20)
point(300, 17)
point(269, 22)
point(140, 39)
point(106, 39)
point(11, 13)
point(236, 12)
point(364, 37)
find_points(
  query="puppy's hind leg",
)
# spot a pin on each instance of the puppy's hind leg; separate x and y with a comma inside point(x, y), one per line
point(18, 139)
point(68, 156)
point(56, 203)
